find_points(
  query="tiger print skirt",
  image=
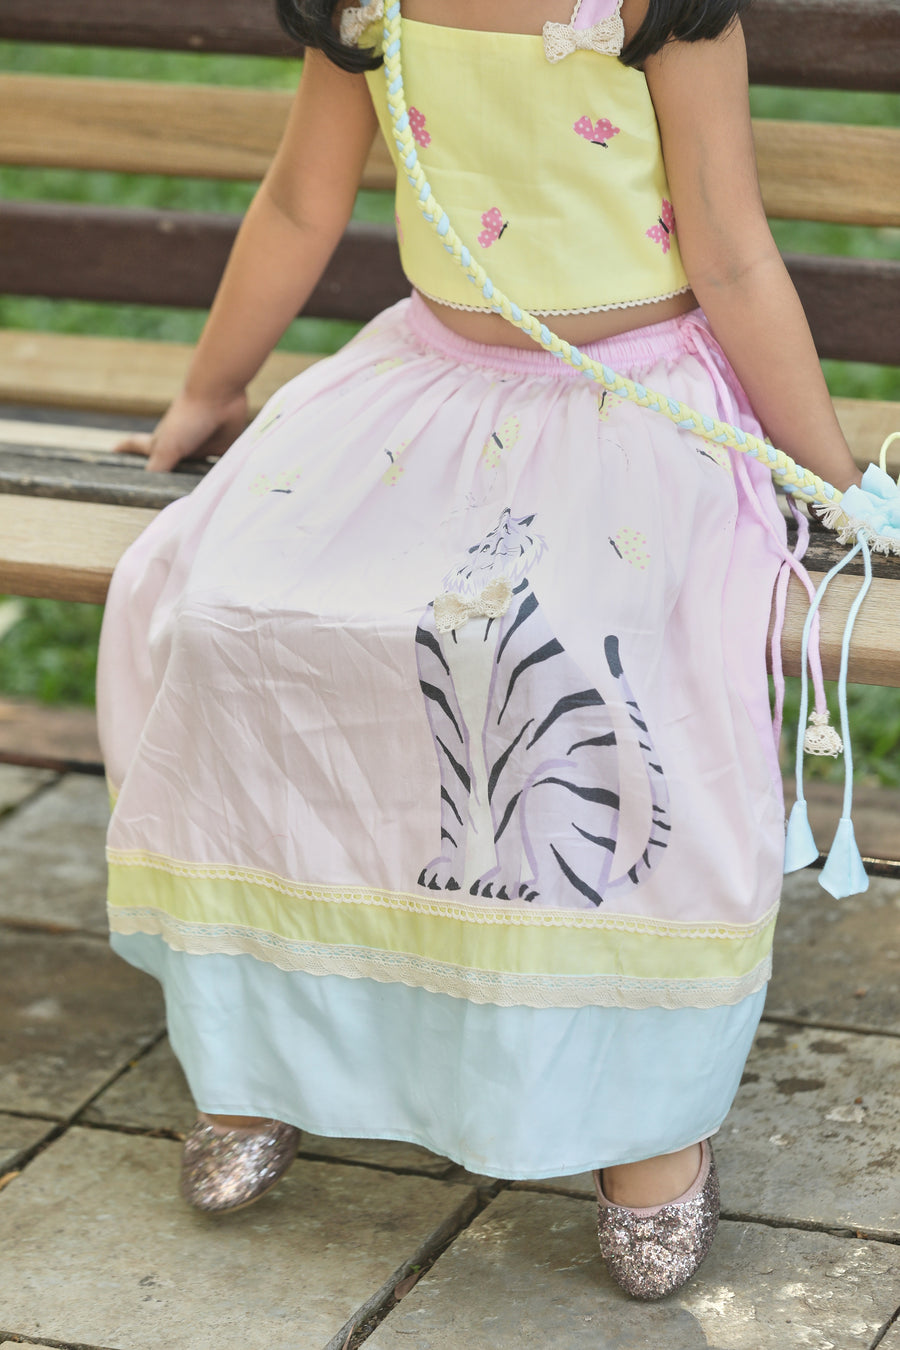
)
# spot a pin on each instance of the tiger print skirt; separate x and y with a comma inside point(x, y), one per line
point(436, 719)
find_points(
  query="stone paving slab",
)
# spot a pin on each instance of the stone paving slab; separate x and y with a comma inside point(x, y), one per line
point(154, 1095)
point(52, 865)
point(71, 1014)
point(18, 784)
point(17, 1134)
point(97, 1248)
point(892, 1340)
point(838, 961)
point(815, 1135)
point(526, 1275)
point(797, 1146)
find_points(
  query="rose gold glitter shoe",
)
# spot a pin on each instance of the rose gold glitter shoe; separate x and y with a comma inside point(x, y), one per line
point(228, 1169)
point(652, 1252)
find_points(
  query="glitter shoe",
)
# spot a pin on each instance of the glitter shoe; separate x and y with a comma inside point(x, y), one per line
point(227, 1169)
point(652, 1252)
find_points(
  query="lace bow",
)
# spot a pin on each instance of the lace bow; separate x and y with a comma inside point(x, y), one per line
point(452, 610)
point(355, 21)
point(561, 39)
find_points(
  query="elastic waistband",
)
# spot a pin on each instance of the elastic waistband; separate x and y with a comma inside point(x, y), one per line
point(635, 350)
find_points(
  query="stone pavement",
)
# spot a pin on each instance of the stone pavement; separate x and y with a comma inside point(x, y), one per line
point(385, 1245)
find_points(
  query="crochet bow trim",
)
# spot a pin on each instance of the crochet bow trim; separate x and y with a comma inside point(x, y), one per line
point(355, 21)
point(606, 37)
point(452, 610)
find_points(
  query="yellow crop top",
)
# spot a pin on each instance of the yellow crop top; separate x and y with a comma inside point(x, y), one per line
point(545, 151)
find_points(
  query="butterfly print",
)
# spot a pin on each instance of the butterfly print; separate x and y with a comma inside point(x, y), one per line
point(501, 439)
point(631, 547)
point(598, 133)
point(494, 225)
point(661, 233)
point(417, 126)
point(394, 473)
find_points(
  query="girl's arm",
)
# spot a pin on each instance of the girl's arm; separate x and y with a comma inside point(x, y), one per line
point(699, 91)
point(288, 234)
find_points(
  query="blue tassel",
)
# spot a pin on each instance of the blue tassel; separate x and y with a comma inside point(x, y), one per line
point(799, 846)
point(843, 873)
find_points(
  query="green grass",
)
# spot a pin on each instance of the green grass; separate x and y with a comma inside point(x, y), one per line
point(49, 649)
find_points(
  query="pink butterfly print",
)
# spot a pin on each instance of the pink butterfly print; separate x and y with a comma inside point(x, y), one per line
point(598, 133)
point(417, 123)
point(494, 225)
point(661, 232)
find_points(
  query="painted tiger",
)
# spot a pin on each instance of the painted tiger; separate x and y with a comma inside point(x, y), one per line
point(528, 754)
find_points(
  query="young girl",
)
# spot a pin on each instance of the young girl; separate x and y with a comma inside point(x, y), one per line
point(447, 801)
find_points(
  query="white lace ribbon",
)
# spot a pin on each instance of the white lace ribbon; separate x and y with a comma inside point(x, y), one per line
point(606, 37)
point(452, 610)
point(356, 20)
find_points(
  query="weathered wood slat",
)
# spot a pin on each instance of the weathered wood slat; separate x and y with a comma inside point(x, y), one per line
point(808, 171)
point(875, 650)
point(63, 550)
point(867, 423)
point(173, 258)
point(27, 474)
point(824, 44)
point(851, 304)
point(849, 44)
point(824, 171)
point(113, 375)
point(247, 26)
point(135, 126)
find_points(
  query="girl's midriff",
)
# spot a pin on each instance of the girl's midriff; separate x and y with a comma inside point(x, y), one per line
point(579, 329)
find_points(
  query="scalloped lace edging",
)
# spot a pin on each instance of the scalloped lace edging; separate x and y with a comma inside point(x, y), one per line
point(446, 909)
point(502, 988)
point(539, 312)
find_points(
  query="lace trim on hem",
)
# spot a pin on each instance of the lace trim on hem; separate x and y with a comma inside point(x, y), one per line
point(558, 313)
point(452, 909)
point(500, 988)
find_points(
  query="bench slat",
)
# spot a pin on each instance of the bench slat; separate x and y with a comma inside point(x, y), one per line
point(134, 126)
point(818, 43)
point(820, 171)
point(111, 375)
point(808, 171)
point(64, 550)
point(176, 258)
point(32, 474)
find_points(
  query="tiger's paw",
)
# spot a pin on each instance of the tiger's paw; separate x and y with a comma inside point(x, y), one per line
point(489, 887)
point(438, 875)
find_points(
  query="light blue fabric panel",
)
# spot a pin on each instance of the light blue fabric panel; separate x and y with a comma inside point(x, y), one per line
point(520, 1093)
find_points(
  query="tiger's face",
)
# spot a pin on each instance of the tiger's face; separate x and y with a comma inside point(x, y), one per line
point(509, 550)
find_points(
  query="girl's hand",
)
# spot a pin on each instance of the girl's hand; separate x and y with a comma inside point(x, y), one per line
point(191, 429)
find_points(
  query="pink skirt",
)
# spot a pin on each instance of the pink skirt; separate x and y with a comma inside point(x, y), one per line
point(449, 683)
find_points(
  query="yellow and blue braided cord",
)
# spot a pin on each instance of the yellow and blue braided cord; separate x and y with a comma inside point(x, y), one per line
point(785, 470)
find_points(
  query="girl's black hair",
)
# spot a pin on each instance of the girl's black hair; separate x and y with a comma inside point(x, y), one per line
point(681, 21)
point(312, 23)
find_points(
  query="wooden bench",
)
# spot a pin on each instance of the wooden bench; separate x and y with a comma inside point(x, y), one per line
point(68, 507)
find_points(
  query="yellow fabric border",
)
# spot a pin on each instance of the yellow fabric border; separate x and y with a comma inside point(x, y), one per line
point(556, 943)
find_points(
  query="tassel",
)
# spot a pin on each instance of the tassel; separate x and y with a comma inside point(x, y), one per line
point(799, 845)
point(843, 873)
point(821, 738)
